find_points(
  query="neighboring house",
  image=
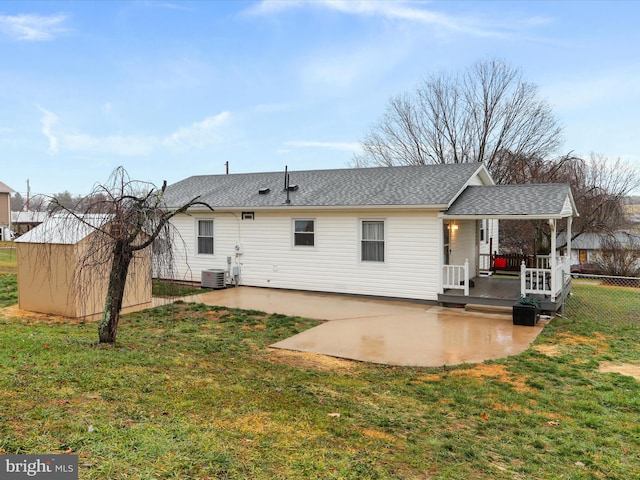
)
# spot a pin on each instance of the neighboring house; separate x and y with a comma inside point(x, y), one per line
point(413, 232)
point(5, 212)
point(587, 247)
point(23, 221)
point(50, 279)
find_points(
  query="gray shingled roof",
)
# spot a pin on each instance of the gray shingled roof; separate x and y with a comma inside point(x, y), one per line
point(543, 200)
point(425, 185)
point(593, 241)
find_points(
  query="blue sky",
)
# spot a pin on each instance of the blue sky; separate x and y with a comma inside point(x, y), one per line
point(170, 89)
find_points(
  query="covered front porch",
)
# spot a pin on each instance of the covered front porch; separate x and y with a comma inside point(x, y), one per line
point(474, 273)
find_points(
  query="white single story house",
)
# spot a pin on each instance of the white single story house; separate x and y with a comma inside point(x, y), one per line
point(587, 247)
point(23, 221)
point(412, 232)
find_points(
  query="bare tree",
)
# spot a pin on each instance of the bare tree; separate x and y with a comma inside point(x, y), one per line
point(38, 203)
point(17, 202)
point(619, 257)
point(133, 218)
point(468, 117)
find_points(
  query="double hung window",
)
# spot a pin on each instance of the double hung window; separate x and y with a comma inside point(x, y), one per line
point(205, 237)
point(304, 233)
point(372, 241)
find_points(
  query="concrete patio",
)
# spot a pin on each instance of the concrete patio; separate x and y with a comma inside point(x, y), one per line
point(382, 331)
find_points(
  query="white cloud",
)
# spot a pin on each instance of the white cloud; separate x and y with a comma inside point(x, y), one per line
point(344, 69)
point(121, 145)
point(270, 7)
point(32, 27)
point(49, 121)
point(390, 10)
point(400, 11)
point(341, 66)
point(345, 146)
point(199, 134)
point(539, 21)
point(166, 5)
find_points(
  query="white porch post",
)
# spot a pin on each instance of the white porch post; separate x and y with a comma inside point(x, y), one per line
point(554, 257)
point(523, 279)
point(441, 256)
point(569, 225)
point(466, 277)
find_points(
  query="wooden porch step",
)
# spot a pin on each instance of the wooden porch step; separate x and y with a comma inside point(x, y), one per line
point(495, 309)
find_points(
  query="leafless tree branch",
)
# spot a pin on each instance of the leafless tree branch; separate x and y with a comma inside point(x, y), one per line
point(125, 217)
point(468, 117)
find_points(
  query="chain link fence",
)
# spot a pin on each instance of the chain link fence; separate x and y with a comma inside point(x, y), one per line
point(599, 297)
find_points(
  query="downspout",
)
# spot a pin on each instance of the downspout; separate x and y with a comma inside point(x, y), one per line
point(553, 259)
point(441, 257)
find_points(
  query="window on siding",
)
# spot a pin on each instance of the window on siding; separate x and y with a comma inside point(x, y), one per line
point(304, 233)
point(483, 231)
point(205, 236)
point(372, 243)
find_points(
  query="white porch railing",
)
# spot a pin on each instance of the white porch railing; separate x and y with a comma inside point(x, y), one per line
point(543, 261)
point(456, 277)
point(544, 281)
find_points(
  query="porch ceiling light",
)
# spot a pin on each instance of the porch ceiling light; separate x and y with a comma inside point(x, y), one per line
point(454, 227)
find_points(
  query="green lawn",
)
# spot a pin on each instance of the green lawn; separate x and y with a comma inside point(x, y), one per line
point(8, 287)
point(7, 257)
point(194, 392)
point(172, 289)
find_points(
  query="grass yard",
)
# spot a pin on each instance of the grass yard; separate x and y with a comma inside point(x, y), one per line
point(194, 392)
point(8, 282)
point(7, 258)
point(163, 288)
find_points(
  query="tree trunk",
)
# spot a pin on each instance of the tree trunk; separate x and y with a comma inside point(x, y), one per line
point(108, 326)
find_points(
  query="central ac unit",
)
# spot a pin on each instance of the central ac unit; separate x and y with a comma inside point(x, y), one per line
point(213, 278)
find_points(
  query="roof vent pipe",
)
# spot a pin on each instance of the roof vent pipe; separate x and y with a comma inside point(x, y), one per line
point(286, 183)
point(286, 168)
point(288, 199)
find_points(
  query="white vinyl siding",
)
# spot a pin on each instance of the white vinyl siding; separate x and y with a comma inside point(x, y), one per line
point(410, 270)
point(303, 233)
point(205, 237)
point(463, 245)
point(476, 180)
point(491, 237)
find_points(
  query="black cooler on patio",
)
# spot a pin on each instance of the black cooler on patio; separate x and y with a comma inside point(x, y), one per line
point(526, 312)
